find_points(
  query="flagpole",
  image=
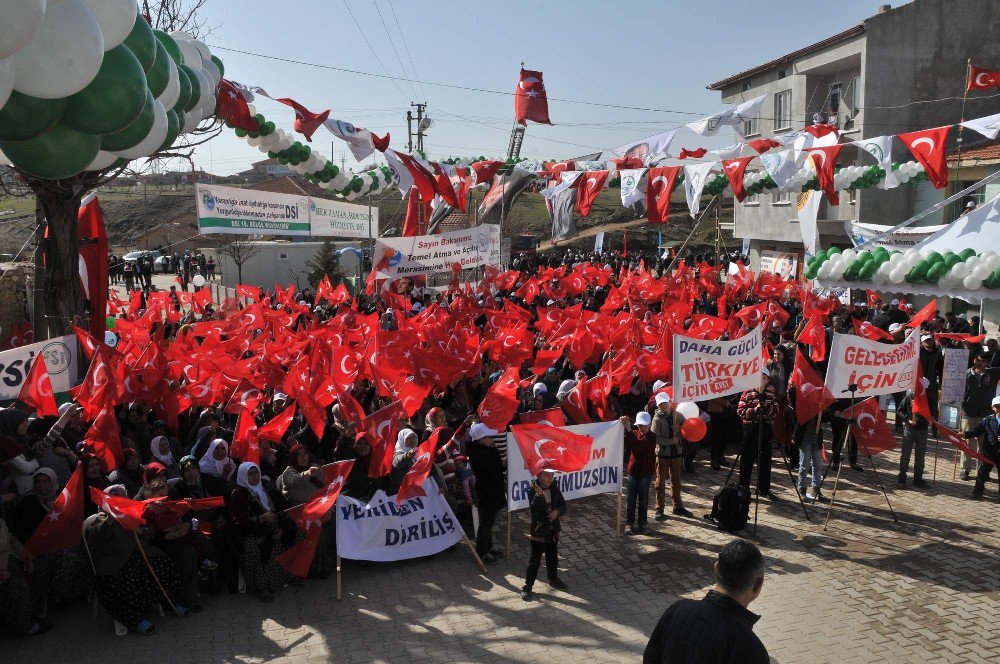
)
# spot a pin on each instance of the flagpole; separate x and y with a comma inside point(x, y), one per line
point(159, 585)
point(965, 97)
point(507, 554)
point(339, 588)
point(479, 561)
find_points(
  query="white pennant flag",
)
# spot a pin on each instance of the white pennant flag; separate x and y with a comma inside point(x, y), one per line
point(880, 147)
point(694, 182)
point(632, 189)
point(807, 206)
point(644, 147)
point(988, 126)
point(780, 166)
point(748, 110)
point(567, 179)
point(729, 152)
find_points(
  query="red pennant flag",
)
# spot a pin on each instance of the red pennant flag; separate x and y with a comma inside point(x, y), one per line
point(982, 79)
point(955, 439)
point(104, 438)
point(127, 512)
point(552, 417)
point(825, 158)
point(588, 186)
point(548, 447)
point(697, 153)
point(659, 186)
point(62, 527)
point(869, 428)
point(735, 169)
point(928, 146)
point(500, 402)
point(530, 99)
point(811, 396)
point(276, 428)
point(924, 315)
point(868, 331)
point(762, 145)
point(965, 338)
point(306, 122)
point(920, 405)
point(423, 462)
point(814, 334)
point(36, 391)
point(381, 427)
point(231, 106)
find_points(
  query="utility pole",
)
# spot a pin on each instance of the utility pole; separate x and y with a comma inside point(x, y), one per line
point(420, 129)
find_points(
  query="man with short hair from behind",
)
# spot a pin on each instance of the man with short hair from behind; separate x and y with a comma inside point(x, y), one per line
point(718, 628)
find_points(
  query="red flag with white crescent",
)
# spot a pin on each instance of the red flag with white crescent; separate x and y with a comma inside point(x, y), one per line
point(545, 447)
point(36, 391)
point(869, 428)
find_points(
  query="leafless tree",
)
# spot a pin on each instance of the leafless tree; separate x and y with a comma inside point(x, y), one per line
point(238, 249)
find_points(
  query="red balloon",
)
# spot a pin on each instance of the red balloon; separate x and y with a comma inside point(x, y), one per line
point(694, 429)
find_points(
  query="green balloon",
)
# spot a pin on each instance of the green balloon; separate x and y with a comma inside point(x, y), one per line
point(113, 99)
point(195, 88)
point(24, 117)
point(172, 48)
point(934, 257)
point(142, 43)
point(173, 129)
point(967, 253)
point(832, 251)
point(185, 95)
point(158, 76)
point(937, 271)
point(867, 271)
point(951, 260)
point(59, 153)
point(110, 320)
point(133, 134)
point(180, 121)
point(218, 63)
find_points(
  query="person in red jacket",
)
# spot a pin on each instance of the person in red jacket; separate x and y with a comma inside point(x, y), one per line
point(640, 448)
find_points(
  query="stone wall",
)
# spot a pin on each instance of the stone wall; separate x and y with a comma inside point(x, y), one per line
point(14, 306)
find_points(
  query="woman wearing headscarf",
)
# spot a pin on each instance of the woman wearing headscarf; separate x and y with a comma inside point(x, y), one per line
point(152, 471)
point(257, 532)
point(159, 449)
point(358, 484)
point(18, 604)
point(301, 478)
point(123, 582)
point(403, 454)
point(93, 476)
point(61, 576)
point(173, 536)
point(129, 474)
point(189, 485)
point(216, 468)
point(49, 448)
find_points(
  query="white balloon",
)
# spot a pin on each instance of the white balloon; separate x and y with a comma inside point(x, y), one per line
point(895, 259)
point(102, 161)
point(172, 92)
point(154, 139)
point(21, 19)
point(981, 271)
point(992, 262)
point(879, 279)
point(198, 281)
point(971, 282)
point(910, 252)
point(960, 270)
point(213, 71)
point(253, 141)
point(253, 109)
point(65, 54)
point(206, 55)
point(987, 254)
point(897, 275)
point(848, 255)
point(6, 79)
point(687, 409)
point(192, 58)
point(191, 120)
point(116, 18)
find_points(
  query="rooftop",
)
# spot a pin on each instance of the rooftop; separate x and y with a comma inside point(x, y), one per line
point(988, 151)
point(790, 57)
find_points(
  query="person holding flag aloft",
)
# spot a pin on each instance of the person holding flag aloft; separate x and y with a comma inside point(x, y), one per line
point(547, 507)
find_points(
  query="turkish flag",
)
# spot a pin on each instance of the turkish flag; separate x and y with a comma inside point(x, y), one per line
point(921, 406)
point(306, 122)
point(872, 297)
point(735, 169)
point(956, 439)
point(445, 188)
point(244, 396)
point(418, 213)
point(87, 342)
point(530, 99)
point(275, 429)
point(588, 186)
point(381, 427)
point(231, 107)
point(814, 334)
point(423, 463)
point(100, 386)
point(660, 183)
point(104, 437)
point(868, 331)
point(812, 397)
point(825, 158)
point(553, 417)
point(314, 413)
point(762, 145)
point(869, 428)
point(127, 512)
point(500, 402)
point(350, 409)
point(485, 170)
point(982, 79)
point(965, 338)
point(298, 559)
point(697, 153)
point(412, 174)
point(94, 262)
point(36, 391)
point(924, 315)
point(246, 438)
point(704, 326)
point(249, 292)
point(62, 527)
point(324, 290)
point(309, 518)
point(928, 146)
point(575, 403)
point(545, 358)
point(545, 447)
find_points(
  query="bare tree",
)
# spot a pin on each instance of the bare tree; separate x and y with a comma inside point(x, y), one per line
point(238, 249)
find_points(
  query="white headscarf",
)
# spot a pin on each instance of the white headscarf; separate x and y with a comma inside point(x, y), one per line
point(166, 459)
point(209, 465)
point(401, 437)
point(256, 490)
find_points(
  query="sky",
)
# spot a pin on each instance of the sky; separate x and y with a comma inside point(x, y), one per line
point(639, 54)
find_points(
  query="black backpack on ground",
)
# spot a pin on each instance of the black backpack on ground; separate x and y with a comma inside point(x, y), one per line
point(731, 505)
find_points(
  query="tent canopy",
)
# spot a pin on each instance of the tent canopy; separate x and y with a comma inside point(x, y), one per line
point(979, 230)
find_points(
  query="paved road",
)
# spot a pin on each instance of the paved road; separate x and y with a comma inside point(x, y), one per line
point(865, 590)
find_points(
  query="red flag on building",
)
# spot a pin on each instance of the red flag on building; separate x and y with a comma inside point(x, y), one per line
point(306, 122)
point(660, 183)
point(825, 158)
point(869, 428)
point(36, 391)
point(982, 79)
point(544, 447)
point(62, 527)
point(928, 146)
point(589, 185)
point(811, 396)
point(530, 99)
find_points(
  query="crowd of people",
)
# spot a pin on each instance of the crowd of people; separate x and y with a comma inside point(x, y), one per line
point(138, 273)
point(589, 336)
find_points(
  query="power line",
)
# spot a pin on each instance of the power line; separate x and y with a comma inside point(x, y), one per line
point(378, 59)
point(407, 49)
point(393, 45)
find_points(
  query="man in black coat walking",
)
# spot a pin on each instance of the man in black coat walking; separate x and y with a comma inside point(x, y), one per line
point(719, 628)
point(491, 490)
point(547, 506)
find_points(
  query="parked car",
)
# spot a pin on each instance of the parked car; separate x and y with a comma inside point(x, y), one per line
point(133, 256)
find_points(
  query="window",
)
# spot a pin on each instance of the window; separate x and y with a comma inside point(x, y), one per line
point(783, 110)
point(781, 198)
point(282, 257)
point(833, 104)
point(782, 73)
point(752, 200)
point(750, 127)
point(747, 85)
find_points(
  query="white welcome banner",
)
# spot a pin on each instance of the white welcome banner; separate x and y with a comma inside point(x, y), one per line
point(902, 239)
point(602, 474)
point(705, 369)
point(232, 210)
point(338, 219)
point(60, 359)
point(429, 254)
point(875, 367)
point(383, 531)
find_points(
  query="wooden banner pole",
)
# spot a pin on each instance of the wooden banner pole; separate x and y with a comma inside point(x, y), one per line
point(507, 554)
point(339, 586)
point(159, 585)
point(472, 548)
point(618, 516)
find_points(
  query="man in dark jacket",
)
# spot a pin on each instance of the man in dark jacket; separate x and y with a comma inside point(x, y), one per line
point(980, 388)
point(989, 429)
point(491, 491)
point(719, 628)
point(547, 506)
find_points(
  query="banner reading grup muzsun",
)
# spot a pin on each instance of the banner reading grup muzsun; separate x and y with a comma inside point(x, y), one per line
point(705, 369)
point(382, 531)
point(875, 367)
